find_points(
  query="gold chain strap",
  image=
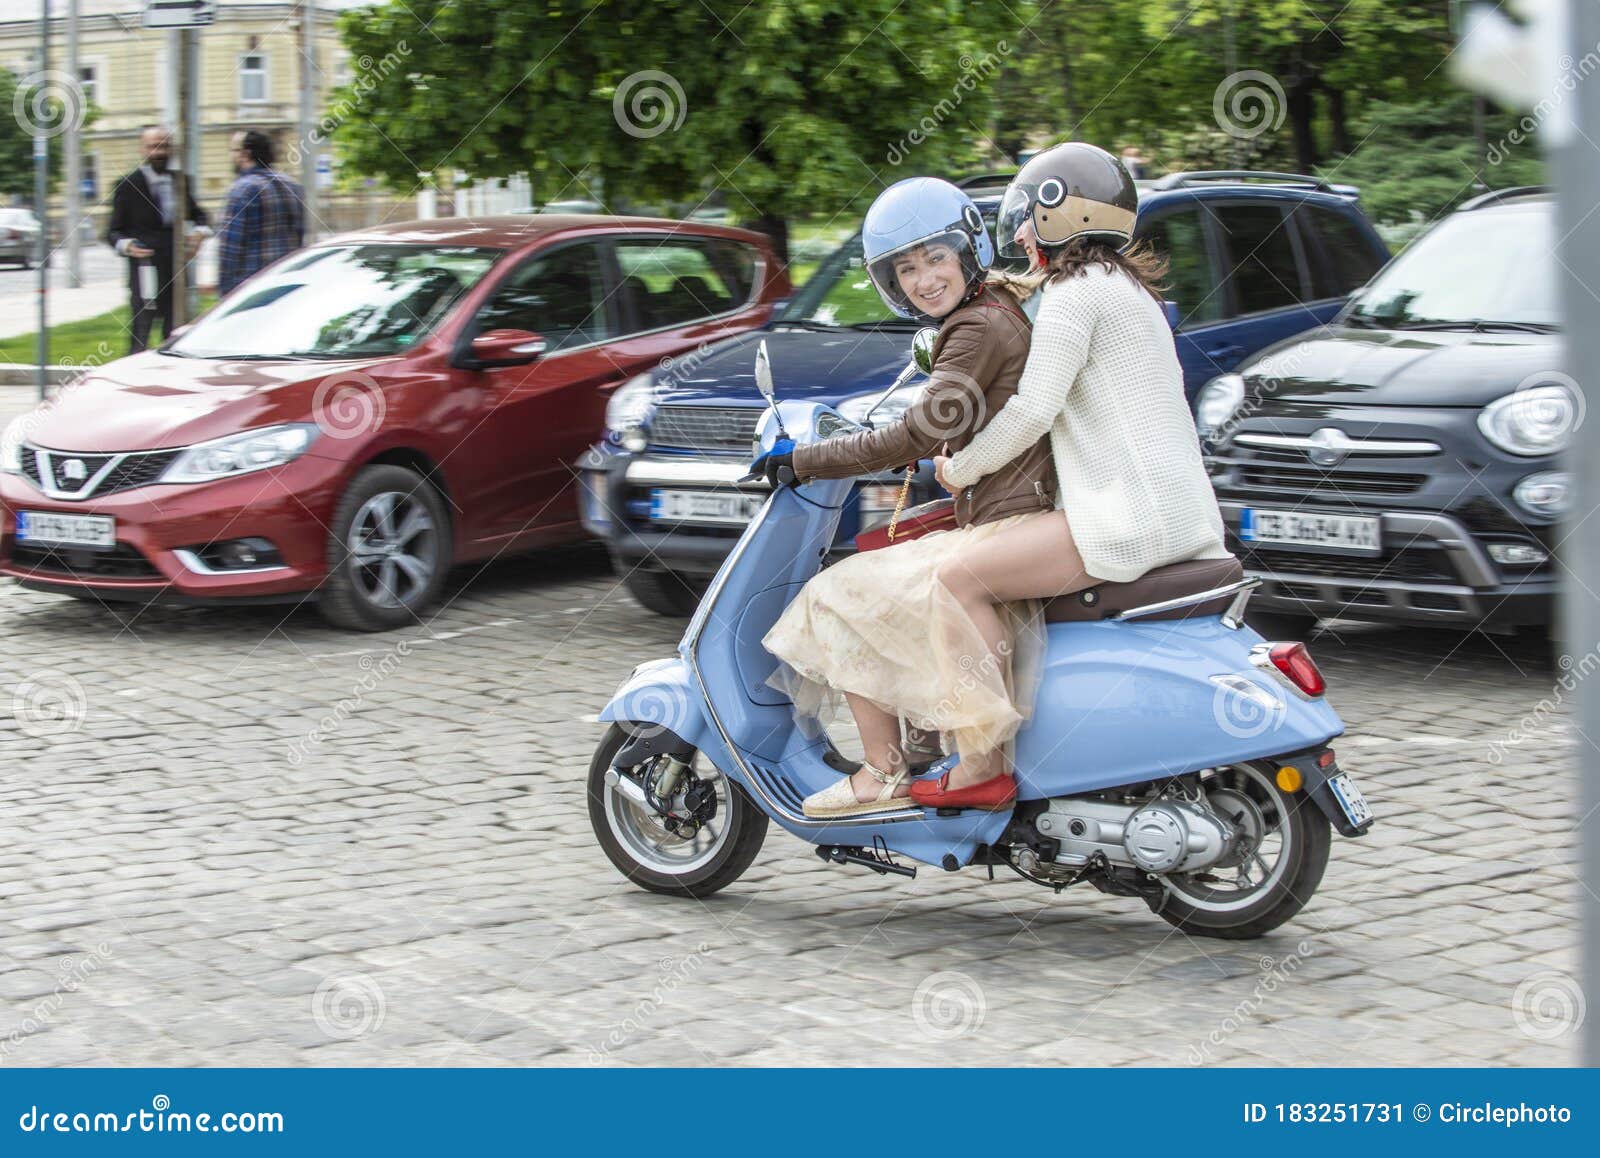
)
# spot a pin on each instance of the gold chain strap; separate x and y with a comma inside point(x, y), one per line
point(900, 503)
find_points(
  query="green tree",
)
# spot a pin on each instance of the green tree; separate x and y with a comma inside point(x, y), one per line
point(785, 107)
point(1420, 159)
point(16, 131)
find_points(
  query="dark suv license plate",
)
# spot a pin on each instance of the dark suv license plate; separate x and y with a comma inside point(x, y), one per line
point(1346, 534)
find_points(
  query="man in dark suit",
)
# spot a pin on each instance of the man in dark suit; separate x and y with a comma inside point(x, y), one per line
point(141, 230)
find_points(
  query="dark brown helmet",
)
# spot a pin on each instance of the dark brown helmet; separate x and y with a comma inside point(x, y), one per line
point(1070, 191)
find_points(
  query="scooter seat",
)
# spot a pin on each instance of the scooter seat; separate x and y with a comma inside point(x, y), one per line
point(1157, 586)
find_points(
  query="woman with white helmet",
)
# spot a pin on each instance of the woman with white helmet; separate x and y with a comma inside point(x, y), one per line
point(1102, 383)
point(876, 626)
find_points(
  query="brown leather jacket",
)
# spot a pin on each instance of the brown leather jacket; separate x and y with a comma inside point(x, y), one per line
point(977, 363)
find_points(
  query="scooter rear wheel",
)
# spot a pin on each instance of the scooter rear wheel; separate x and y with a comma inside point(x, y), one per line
point(1273, 881)
point(636, 840)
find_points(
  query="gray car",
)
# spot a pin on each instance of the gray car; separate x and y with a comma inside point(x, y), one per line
point(19, 236)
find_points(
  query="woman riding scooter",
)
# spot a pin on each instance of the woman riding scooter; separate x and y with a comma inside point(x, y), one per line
point(1103, 385)
point(876, 626)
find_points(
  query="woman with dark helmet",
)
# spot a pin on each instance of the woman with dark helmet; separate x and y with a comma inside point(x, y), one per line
point(876, 627)
point(1103, 384)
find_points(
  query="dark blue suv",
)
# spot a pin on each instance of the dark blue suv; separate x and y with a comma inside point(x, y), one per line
point(1254, 258)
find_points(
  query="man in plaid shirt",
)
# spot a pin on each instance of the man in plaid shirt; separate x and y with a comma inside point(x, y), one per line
point(265, 214)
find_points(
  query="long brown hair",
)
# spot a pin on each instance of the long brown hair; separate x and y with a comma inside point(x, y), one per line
point(1139, 261)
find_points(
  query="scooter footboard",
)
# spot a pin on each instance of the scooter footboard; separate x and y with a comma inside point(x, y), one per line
point(1124, 702)
point(661, 695)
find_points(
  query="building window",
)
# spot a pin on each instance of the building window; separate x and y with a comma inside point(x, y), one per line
point(253, 77)
point(89, 82)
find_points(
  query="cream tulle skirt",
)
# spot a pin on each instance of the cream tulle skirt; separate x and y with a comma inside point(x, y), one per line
point(879, 625)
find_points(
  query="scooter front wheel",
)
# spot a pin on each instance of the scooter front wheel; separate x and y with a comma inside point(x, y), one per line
point(664, 854)
point(1276, 870)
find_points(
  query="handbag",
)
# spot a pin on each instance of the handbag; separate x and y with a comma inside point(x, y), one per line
point(938, 515)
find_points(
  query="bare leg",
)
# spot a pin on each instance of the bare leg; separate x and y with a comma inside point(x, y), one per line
point(880, 742)
point(1035, 559)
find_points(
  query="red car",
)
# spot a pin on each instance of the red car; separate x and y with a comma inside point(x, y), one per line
point(361, 415)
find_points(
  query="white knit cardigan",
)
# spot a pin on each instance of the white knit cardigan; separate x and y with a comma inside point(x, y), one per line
point(1103, 381)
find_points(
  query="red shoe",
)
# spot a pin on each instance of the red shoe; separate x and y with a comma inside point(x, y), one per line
point(992, 795)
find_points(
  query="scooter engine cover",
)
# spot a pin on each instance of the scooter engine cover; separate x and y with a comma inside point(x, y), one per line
point(1156, 838)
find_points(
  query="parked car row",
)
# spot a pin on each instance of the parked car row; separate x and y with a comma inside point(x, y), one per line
point(372, 410)
point(1254, 258)
point(366, 412)
point(1402, 463)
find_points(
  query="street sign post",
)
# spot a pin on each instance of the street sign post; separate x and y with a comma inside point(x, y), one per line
point(179, 13)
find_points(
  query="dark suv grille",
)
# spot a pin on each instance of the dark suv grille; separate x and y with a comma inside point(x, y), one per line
point(717, 428)
point(1411, 564)
point(1333, 484)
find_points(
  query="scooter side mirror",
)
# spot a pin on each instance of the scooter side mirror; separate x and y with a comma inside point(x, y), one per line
point(922, 348)
point(764, 374)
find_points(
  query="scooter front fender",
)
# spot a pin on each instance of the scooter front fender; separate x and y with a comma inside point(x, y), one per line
point(661, 694)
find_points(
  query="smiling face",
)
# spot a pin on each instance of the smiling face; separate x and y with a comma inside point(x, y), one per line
point(1029, 240)
point(931, 277)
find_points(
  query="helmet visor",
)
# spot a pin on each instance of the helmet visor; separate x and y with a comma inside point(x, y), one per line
point(904, 277)
point(1016, 210)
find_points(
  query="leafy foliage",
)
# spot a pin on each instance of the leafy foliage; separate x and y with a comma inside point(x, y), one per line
point(1420, 159)
point(789, 106)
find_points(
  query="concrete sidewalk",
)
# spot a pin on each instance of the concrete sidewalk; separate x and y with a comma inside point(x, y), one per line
point(19, 312)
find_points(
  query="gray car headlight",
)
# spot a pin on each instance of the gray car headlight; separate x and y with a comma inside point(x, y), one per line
point(11, 447)
point(630, 404)
point(855, 409)
point(240, 453)
point(1536, 421)
point(1218, 402)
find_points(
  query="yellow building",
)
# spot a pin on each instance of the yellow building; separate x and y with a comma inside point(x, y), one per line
point(249, 77)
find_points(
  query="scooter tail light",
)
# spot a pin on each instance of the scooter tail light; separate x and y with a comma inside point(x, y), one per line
point(1295, 662)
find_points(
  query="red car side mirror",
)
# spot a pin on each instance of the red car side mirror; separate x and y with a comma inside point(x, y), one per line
point(505, 348)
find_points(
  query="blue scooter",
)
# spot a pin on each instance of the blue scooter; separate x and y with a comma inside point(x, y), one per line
point(1173, 754)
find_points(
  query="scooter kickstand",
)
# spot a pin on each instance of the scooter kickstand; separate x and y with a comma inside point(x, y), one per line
point(877, 858)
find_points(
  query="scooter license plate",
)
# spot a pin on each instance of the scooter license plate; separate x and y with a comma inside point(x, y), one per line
point(1350, 799)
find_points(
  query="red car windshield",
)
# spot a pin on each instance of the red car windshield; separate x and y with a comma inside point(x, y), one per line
point(355, 301)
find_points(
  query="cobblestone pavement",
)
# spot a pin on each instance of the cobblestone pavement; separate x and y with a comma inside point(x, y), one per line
point(241, 838)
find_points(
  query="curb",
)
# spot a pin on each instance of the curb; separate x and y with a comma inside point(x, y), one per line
point(22, 374)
